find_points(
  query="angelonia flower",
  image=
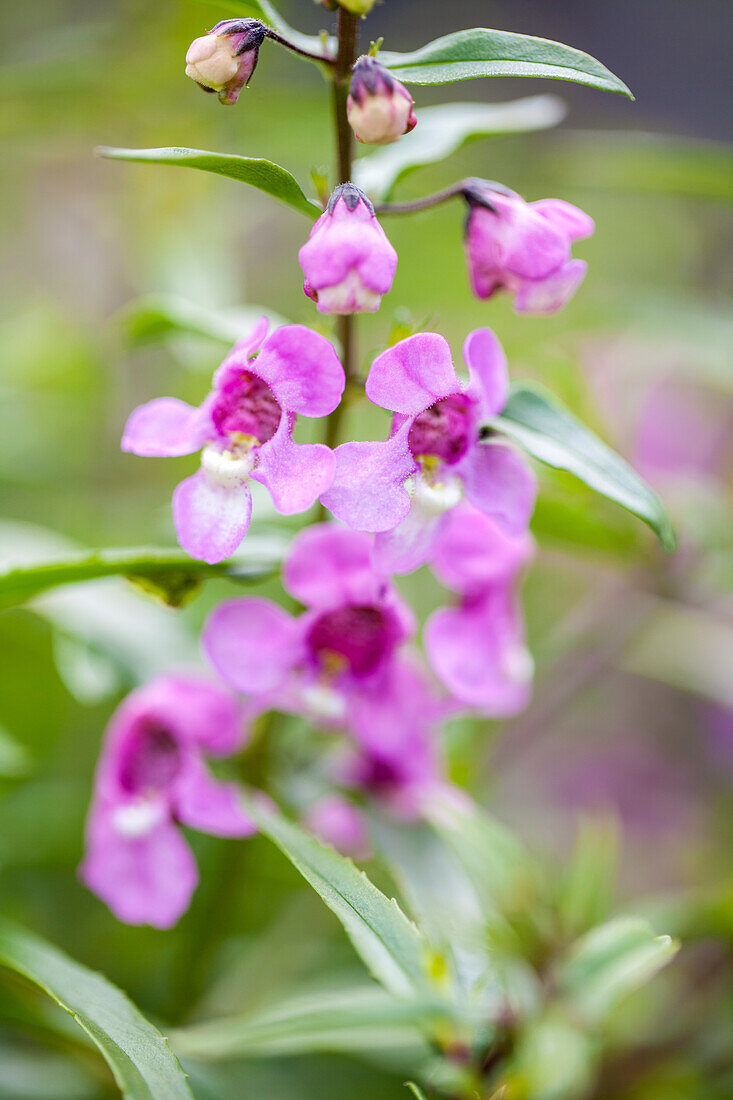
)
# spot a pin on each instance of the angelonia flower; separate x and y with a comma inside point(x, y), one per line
point(523, 248)
point(347, 261)
point(335, 820)
point(151, 777)
point(224, 59)
point(379, 108)
point(402, 487)
point(477, 648)
point(244, 430)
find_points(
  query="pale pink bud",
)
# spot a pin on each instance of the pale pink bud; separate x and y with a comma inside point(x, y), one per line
point(224, 59)
point(379, 108)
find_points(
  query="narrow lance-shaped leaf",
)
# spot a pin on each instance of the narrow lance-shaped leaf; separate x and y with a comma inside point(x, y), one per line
point(143, 1065)
point(415, 1090)
point(262, 174)
point(551, 434)
point(444, 129)
point(464, 55)
point(390, 945)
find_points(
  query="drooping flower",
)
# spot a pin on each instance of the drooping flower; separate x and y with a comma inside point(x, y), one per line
point(319, 662)
point(523, 248)
point(434, 450)
point(245, 427)
point(347, 261)
point(151, 777)
point(477, 648)
point(224, 59)
point(379, 108)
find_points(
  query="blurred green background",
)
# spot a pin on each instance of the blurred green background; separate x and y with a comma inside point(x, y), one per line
point(633, 711)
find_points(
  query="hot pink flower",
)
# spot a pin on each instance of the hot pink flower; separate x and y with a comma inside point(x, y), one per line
point(347, 261)
point(477, 649)
point(150, 777)
point(224, 59)
point(435, 442)
point(245, 427)
point(379, 108)
point(524, 248)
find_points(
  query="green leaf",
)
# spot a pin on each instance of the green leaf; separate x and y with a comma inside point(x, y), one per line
point(156, 316)
point(262, 174)
point(610, 962)
point(138, 1055)
point(415, 1090)
point(161, 570)
point(444, 129)
point(353, 1018)
point(15, 762)
point(551, 434)
point(391, 946)
point(586, 888)
point(464, 55)
point(264, 10)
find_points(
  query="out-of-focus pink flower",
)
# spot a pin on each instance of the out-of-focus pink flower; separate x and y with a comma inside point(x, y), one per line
point(224, 59)
point(337, 821)
point(151, 777)
point(477, 648)
point(684, 431)
point(379, 108)
point(339, 649)
point(245, 427)
point(523, 248)
point(347, 261)
point(403, 487)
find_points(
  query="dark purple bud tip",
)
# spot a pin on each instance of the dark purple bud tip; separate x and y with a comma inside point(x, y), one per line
point(351, 195)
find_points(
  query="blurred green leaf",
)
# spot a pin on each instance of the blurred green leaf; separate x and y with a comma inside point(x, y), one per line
point(610, 962)
point(388, 943)
point(586, 887)
point(444, 129)
point(262, 174)
point(157, 568)
point(353, 1018)
point(551, 434)
point(464, 55)
point(138, 1055)
point(15, 762)
point(415, 1090)
point(156, 316)
point(553, 1060)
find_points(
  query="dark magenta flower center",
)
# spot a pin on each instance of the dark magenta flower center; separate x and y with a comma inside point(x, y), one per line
point(151, 762)
point(444, 430)
point(357, 637)
point(247, 405)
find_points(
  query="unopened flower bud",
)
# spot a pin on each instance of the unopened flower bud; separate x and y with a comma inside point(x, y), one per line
point(347, 261)
point(224, 59)
point(379, 108)
point(357, 7)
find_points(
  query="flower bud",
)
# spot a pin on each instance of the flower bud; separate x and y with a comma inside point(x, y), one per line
point(379, 108)
point(347, 261)
point(357, 7)
point(224, 59)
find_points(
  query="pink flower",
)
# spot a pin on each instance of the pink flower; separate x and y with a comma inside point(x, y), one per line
point(477, 649)
point(224, 59)
point(339, 649)
point(347, 260)
point(336, 821)
point(150, 777)
point(524, 248)
point(379, 108)
point(245, 427)
point(434, 447)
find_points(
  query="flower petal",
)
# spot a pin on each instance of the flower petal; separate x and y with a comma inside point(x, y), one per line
point(144, 880)
point(563, 215)
point(487, 369)
point(302, 370)
point(211, 519)
point(500, 483)
point(551, 294)
point(413, 374)
point(329, 565)
point(478, 652)
point(524, 243)
point(252, 643)
point(198, 711)
point(368, 490)
point(207, 805)
point(294, 473)
point(472, 551)
point(166, 428)
point(410, 544)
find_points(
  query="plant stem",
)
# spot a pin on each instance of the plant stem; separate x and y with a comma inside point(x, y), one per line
point(462, 188)
point(323, 59)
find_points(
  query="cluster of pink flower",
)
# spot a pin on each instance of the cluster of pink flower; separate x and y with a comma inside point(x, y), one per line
point(439, 491)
